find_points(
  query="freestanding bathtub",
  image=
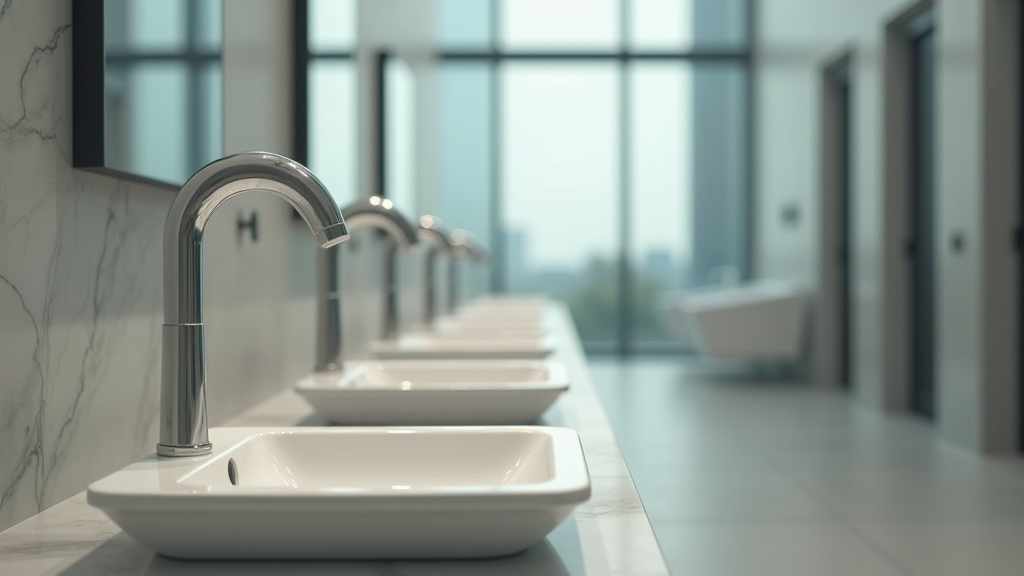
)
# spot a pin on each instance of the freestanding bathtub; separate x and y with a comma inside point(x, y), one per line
point(757, 320)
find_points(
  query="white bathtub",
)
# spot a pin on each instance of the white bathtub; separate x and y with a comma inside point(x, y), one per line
point(758, 320)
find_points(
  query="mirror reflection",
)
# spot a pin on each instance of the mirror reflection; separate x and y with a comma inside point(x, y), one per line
point(163, 86)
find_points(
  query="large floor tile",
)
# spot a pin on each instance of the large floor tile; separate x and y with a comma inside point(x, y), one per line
point(765, 477)
point(713, 549)
point(951, 548)
point(732, 496)
point(916, 495)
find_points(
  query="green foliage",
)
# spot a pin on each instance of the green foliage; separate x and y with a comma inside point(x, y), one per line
point(595, 305)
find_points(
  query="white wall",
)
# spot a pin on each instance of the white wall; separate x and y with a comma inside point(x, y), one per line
point(976, 187)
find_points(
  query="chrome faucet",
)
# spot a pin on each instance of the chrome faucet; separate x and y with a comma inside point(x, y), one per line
point(468, 246)
point(435, 233)
point(183, 424)
point(373, 212)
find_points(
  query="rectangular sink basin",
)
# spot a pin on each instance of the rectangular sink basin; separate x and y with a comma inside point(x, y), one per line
point(486, 332)
point(403, 392)
point(352, 493)
point(484, 322)
point(508, 318)
point(426, 346)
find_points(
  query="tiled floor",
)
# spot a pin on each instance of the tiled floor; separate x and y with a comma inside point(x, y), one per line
point(763, 478)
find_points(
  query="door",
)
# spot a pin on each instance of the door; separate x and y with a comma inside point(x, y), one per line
point(921, 249)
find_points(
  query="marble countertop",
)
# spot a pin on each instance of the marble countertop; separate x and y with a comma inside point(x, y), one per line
point(609, 535)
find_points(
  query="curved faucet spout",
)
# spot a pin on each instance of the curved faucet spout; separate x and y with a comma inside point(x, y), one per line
point(380, 213)
point(433, 231)
point(183, 428)
point(372, 212)
point(469, 245)
point(210, 187)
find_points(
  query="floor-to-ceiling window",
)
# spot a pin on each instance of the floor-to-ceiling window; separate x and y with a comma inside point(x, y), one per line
point(601, 146)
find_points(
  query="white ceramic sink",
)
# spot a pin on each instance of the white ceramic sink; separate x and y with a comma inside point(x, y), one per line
point(426, 346)
point(500, 316)
point(517, 306)
point(402, 392)
point(499, 321)
point(486, 332)
point(339, 493)
point(505, 316)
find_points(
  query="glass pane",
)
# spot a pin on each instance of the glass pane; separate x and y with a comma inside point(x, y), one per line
point(560, 180)
point(720, 178)
point(400, 135)
point(332, 127)
point(720, 23)
point(150, 100)
point(560, 24)
point(210, 138)
point(464, 24)
point(332, 25)
point(464, 155)
point(660, 24)
point(156, 26)
point(661, 188)
point(683, 25)
point(210, 25)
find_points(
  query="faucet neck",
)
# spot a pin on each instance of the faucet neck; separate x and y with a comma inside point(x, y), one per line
point(328, 313)
point(183, 423)
point(430, 304)
point(391, 293)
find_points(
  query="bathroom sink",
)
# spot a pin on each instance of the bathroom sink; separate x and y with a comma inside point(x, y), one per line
point(495, 315)
point(519, 327)
point(427, 346)
point(401, 392)
point(521, 314)
point(483, 331)
point(352, 493)
point(515, 305)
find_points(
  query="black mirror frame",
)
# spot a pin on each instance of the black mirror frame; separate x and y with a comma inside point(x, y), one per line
point(88, 77)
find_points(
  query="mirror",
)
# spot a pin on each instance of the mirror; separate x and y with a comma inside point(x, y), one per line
point(148, 87)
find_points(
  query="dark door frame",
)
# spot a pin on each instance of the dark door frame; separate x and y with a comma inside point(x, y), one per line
point(922, 212)
point(1019, 239)
point(842, 85)
point(833, 358)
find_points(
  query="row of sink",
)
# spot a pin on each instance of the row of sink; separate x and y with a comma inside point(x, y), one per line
point(485, 366)
point(434, 451)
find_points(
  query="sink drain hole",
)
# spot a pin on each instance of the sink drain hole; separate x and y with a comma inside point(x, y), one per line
point(232, 472)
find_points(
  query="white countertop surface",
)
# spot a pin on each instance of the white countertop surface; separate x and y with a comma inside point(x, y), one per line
point(609, 535)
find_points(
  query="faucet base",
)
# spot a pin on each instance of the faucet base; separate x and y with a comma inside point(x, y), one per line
point(182, 451)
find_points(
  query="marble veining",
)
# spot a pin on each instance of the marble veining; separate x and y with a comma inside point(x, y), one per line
point(80, 289)
point(75, 253)
point(608, 536)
